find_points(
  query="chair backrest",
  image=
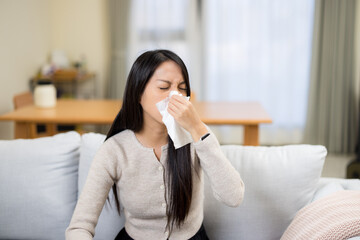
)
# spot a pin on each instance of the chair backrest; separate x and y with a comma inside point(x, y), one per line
point(193, 96)
point(23, 99)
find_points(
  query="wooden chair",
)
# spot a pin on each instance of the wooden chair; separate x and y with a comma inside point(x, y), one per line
point(39, 130)
point(22, 100)
point(193, 96)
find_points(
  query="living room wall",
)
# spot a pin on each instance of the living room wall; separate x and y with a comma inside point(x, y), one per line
point(24, 46)
point(31, 29)
point(81, 27)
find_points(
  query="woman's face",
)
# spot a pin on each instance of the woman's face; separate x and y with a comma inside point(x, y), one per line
point(166, 78)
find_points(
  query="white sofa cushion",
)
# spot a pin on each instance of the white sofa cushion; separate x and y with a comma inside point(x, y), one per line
point(279, 181)
point(38, 186)
point(110, 223)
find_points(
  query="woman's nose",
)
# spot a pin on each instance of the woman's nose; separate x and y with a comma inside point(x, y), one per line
point(173, 88)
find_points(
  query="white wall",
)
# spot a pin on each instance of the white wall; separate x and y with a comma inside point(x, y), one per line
point(24, 45)
point(81, 27)
point(31, 29)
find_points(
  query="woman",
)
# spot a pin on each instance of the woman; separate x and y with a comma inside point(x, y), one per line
point(160, 188)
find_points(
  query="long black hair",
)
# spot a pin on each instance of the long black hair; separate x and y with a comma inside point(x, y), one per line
point(130, 116)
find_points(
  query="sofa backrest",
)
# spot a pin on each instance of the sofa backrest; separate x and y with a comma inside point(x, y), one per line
point(41, 178)
point(278, 182)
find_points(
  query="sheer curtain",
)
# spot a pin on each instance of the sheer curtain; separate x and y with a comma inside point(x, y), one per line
point(166, 24)
point(260, 50)
point(119, 27)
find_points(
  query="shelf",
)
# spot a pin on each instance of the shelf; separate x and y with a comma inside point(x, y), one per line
point(71, 83)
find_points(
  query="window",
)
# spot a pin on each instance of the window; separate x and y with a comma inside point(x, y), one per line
point(159, 24)
point(260, 50)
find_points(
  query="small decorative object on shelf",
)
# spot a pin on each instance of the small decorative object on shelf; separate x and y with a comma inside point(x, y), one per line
point(45, 94)
point(70, 83)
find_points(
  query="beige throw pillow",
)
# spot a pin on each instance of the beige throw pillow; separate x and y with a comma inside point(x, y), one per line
point(333, 217)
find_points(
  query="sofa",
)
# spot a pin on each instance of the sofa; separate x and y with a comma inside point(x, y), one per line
point(41, 179)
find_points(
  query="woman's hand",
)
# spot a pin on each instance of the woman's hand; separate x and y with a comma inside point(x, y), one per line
point(185, 114)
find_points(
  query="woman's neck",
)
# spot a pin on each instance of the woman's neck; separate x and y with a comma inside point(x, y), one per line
point(152, 135)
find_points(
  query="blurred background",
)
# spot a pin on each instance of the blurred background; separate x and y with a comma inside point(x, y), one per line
point(298, 58)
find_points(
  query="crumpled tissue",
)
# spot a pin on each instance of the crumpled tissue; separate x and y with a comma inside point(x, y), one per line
point(178, 134)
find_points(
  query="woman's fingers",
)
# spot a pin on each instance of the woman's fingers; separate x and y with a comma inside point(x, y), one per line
point(177, 103)
point(182, 110)
point(178, 100)
point(171, 109)
point(185, 114)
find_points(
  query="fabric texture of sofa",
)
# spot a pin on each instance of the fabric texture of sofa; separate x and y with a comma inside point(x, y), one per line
point(41, 179)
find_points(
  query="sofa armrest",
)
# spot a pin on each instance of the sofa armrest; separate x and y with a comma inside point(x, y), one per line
point(348, 184)
point(327, 186)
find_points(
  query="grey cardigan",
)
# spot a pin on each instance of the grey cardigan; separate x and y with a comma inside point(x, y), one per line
point(141, 185)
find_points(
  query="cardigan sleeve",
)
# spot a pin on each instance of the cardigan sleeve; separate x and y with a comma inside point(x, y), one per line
point(101, 177)
point(225, 180)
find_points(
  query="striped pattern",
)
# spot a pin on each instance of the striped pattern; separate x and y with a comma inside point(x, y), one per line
point(333, 217)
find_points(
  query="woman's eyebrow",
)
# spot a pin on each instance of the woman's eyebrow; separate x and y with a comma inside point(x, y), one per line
point(169, 82)
point(162, 80)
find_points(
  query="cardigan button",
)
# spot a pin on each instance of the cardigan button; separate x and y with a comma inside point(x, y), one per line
point(161, 186)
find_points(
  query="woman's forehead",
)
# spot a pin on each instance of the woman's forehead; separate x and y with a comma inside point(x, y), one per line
point(168, 67)
point(168, 72)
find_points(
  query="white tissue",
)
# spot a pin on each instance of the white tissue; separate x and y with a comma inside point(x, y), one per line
point(178, 134)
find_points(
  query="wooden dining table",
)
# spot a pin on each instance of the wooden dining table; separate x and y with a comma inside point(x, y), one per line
point(75, 111)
